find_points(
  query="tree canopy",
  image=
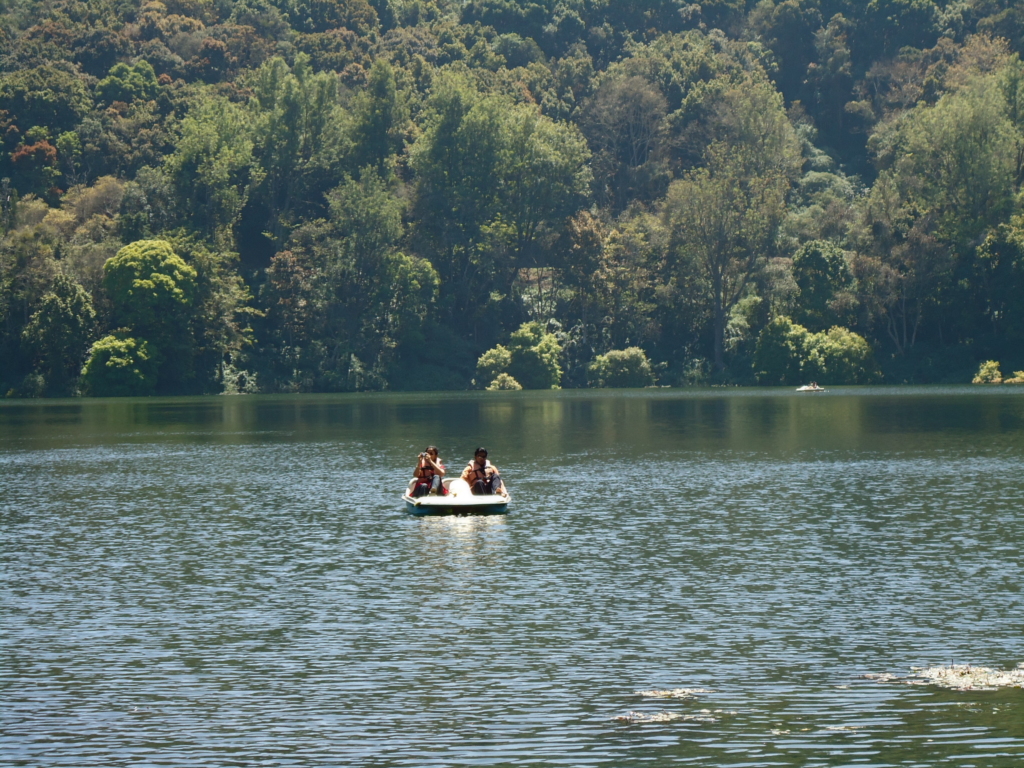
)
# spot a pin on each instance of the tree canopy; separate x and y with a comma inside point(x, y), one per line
point(329, 195)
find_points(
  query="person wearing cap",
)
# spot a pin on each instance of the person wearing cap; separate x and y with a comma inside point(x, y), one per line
point(482, 476)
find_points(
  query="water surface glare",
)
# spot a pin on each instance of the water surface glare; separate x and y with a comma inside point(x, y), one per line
point(233, 581)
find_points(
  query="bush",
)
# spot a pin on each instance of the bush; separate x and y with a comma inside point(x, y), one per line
point(1018, 378)
point(151, 288)
point(839, 356)
point(120, 366)
point(531, 359)
point(535, 357)
point(493, 363)
point(778, 356)
point(621, 368)
point(787, 353)
point(503, 382)
point(988, 373)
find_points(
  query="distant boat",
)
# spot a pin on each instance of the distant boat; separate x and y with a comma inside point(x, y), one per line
point(812, 387)
point(459, 500)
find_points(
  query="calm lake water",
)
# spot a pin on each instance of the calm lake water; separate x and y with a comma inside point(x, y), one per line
point(234, 581)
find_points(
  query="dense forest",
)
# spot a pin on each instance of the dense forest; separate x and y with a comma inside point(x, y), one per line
point(204, 196)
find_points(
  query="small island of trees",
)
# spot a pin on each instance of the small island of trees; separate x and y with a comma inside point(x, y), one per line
point(225, 196)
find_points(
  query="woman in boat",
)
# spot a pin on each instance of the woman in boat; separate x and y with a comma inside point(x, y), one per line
point(428, 473)
point(482, 476)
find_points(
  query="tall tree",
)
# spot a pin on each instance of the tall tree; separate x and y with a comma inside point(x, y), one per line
point(212, 169)
point(300, 142)
point(59, 332)
point(725, 216)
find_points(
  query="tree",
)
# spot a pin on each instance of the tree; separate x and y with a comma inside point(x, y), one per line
point(958, 160)
point(535, 357)
point(839, 356)
point(821, 272)
point(889, 25)
point(625, 122)
point(1000, 264)
point(829, 85)
point(380, 119)
point(622, 368)
point(531, 361)
point(491, 175)
point(126, 84)
point(59, 332)
point(544, 175)
point(788, 29)
point(493, 363)
point(46, 96)
point(212, 169)
point(120, 366)
point(724, 219)
point(152, 290)
point(787, 353)
point(778, 356)
point(366, 299)
point(299, 140)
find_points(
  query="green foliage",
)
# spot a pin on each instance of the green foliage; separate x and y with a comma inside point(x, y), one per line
point(127, 84)
point(622, 368)
point(120, 366)
point(889, 25)
point(788, 353)
point(821, 272)
point(151, 288)
point(492, 176)
point(59, 332)
point(724, 217)
point(779, 354)
point(401, 183)
point(292, 144)
point(380, 118)
point(1000, 265)
point(988, 373)
point(531, 359)
point(536, 356)
point(493, 363)
point(46, 96)
point(956, 160)
point(346, 303)
point(212, 168)
point(503, 382)
point(839, 356)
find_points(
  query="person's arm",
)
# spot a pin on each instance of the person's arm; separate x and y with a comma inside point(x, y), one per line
point(418, 472)
point(467, 472)
point(438, 467)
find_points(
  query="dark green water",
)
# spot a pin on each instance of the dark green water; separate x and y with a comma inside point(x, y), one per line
point(233, 581)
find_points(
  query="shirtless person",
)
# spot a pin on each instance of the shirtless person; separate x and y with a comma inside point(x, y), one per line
point(482, 476)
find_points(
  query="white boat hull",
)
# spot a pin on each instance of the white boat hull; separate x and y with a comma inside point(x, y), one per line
point(458, 501)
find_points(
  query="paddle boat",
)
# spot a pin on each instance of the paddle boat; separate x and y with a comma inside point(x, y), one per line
point(458, 501)
point(812, 387)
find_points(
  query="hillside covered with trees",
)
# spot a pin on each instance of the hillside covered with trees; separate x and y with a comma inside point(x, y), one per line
point(202, 196)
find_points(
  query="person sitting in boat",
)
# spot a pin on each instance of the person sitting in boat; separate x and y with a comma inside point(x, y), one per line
point(482, 476)
point(428, 473)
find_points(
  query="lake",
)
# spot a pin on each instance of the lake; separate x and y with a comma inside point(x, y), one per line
point(234, 581)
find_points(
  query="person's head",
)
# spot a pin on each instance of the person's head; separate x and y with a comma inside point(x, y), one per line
point(432, 450)
point(480, 455)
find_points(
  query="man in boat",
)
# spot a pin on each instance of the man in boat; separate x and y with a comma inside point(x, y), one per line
point(428, 473)
point(482, 476)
